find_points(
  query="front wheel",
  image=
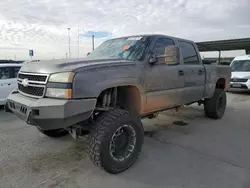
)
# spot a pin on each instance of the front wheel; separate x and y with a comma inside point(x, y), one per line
point(116, 140)
point(215, 107)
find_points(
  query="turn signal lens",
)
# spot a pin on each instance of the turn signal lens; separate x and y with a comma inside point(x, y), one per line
point(59, 93)
point(68, 93)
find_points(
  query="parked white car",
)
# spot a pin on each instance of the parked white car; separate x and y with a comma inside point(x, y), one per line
point(240, 78)
point(8, 80)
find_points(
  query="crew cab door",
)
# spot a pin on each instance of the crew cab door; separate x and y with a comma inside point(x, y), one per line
point(164, 82)
point(194, 72)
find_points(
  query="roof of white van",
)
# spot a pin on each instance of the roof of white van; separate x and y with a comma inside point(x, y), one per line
point(243, 57)
point(10, 64)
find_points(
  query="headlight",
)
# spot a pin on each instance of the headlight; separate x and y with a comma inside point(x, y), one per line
point(59, 93)
point(63, 77)
point(60, 85)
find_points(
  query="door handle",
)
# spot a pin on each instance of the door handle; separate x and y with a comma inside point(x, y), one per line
point(200, 72)
point(9, 84)
point(180, 73)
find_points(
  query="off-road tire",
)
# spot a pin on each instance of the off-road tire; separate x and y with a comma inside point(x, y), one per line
point(215, 107)
point(56, 133)
point(101, 136)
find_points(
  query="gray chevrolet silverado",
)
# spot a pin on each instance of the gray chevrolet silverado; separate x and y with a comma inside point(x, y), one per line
point(105, 95)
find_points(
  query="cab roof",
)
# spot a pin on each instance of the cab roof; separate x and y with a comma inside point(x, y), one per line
point(153, 36)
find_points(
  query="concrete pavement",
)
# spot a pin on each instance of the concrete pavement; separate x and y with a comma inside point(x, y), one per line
point(207, 153)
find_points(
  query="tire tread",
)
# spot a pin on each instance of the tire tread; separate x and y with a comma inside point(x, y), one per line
point(210, 105)
point(97, 136)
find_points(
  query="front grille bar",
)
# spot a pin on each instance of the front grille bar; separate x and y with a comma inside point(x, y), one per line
point(36, 80)
point(238, 80)
point(43, 77)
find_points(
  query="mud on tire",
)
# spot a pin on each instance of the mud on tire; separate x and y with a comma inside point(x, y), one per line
point(56, 133)
point(116, 140)
point(215, 107)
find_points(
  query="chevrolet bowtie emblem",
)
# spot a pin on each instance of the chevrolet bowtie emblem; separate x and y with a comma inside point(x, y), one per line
point(25, 82)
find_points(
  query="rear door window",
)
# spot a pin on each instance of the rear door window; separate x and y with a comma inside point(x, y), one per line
point(189, 54)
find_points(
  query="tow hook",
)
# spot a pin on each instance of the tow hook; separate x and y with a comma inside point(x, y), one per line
point(74, 131)
point(78, 130)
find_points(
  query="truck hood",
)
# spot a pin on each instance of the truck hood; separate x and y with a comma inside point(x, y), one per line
point(60, 65)
point(240, 75)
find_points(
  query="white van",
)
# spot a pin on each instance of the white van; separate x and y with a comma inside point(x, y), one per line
point(8, 80)
point(240, 78)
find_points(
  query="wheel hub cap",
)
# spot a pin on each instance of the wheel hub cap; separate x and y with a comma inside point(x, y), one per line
point(122, 143)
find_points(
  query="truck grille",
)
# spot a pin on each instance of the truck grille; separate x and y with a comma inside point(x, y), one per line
point(36, 85)
point(31, 90)
point(38, 78)
point(238, 80)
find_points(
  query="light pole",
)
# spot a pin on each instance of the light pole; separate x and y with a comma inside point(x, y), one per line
point(93, 42)
point(15, 51)
point(69, 41)
point(78, 41)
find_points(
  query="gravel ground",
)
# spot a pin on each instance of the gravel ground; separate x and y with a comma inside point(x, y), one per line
point(206, 153)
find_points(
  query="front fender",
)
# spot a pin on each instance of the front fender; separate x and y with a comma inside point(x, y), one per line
point(109, 83)
point(90, 83)
point(93, 88)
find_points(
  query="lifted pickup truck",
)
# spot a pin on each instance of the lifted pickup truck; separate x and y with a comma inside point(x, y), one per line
point(106, 94)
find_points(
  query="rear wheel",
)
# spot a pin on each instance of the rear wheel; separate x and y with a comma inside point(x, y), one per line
point(215, 107)
point(116, 140)
point(55, 133)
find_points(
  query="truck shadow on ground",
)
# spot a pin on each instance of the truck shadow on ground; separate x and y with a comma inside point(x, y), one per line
point(173, 121)
point(78, 150)
point(167, 121)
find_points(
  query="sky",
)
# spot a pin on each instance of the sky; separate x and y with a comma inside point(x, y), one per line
point(42, 25)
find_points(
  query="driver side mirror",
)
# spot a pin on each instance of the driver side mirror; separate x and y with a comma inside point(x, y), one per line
point(152, 59)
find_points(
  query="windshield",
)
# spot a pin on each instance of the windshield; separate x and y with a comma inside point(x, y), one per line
point(241, 66)
point(131, 48)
